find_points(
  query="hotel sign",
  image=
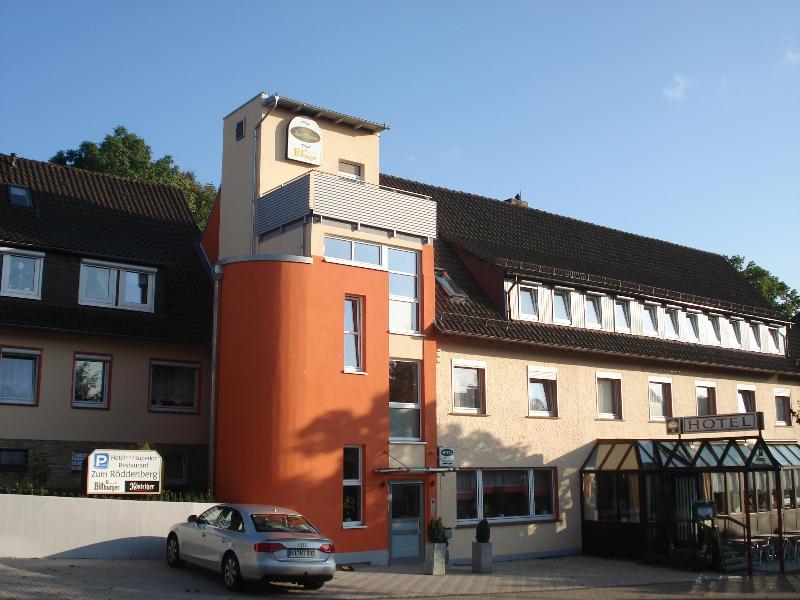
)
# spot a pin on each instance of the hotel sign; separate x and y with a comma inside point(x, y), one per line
point(447, 457)
point(121, 472)
point(712, 423)
point(304, 141)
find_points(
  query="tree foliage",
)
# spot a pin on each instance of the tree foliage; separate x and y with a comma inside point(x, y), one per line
point(126, 154)
point(776, 292)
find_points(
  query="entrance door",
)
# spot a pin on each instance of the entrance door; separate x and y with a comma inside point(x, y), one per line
point(406, 533)
point(685, 497)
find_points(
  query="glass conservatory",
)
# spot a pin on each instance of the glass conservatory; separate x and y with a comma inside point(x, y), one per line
point(721, 503)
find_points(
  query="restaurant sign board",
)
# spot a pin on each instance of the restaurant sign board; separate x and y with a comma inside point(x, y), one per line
point(749, 421)
point(304, 141)
point(124, 472)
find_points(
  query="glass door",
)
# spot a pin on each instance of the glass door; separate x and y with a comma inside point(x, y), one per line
point(406, 527)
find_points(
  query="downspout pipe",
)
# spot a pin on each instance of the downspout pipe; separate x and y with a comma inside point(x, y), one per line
point(212, 418)
point(255, 177)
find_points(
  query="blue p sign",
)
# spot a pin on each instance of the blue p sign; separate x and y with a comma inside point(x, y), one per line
point(101, 460)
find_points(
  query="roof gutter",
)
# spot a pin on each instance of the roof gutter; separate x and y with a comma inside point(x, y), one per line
point(212, 418)
point(256, 172)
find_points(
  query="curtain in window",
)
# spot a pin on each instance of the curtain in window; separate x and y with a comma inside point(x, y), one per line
point(505, 494)
point(466, 495)
point(18, 377)
point(657, 400)
point(608, 396)
point(174, 386)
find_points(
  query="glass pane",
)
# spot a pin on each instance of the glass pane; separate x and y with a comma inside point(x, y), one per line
point(406, 500)
point(561, 308)
point(733, 458)
point(174, 386)
point(734, 492)
point(656, 396)
point(97, 283)
point(650, 319)
point(18, 377)
point(528, 304)
point(337, 248)
point(136, 285)
point(466, 495)
point(351, 466)
point(628, 497)
point(403, 316)
point(590, 497)
point(597, 456)
point(607, 496)
point(615, 457)
point(403, 285)
point(505, 494)
point(756, 335)
point(351, 351)
point(19, 196)
point(467, 388)
point(350, 315)
point(404, 423)
point(594, 312)
point(351, 504)
point(21, 273)
point(703, 402)
point(404, 261)
point(715, 326)
point(623, 314)
point(90, 381)
point(693, 330)
point(718, 494)
point(672, 323)
point(646, 453)
point(403, 382)
point(367, 253)
point(607, 396)
point(788, 489)
point(542, 492)
point(782, 406)
point(539, 396)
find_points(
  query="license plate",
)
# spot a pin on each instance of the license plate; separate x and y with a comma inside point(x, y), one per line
point(302, 553)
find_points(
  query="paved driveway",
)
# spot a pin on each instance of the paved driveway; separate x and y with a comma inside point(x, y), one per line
point(73, 579)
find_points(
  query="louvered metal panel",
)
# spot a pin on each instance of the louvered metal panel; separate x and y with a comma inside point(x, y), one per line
point(353, 201)
point(283, 205)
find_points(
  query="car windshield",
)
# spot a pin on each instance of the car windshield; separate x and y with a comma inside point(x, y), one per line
point(279, 522)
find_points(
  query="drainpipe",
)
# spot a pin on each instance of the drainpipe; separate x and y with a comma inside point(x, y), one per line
point(212, 446)
point(256, 156)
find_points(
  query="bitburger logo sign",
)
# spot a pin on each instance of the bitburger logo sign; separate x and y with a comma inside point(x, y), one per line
point(120, 472)
point(304, 141)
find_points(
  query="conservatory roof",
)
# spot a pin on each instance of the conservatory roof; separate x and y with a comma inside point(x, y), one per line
point(717, 454)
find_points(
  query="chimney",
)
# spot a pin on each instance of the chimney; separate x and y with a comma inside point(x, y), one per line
point(517, 200)
point(13, 159)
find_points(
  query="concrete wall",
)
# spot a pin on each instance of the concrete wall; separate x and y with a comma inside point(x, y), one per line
point(52, 527)
point(508, 437)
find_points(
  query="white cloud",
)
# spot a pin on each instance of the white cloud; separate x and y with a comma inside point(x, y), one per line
point(678, 88)
point(791, 58)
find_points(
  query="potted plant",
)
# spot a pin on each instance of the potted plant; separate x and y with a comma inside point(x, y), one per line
point(436, 548)
point(482, 548)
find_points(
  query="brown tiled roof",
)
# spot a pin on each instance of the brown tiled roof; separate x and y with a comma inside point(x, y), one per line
point(475, 315)
point(82, 214)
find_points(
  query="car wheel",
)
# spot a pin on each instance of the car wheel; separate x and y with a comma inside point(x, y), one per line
point(231, 574)
point(313, 585)
point(173, 551)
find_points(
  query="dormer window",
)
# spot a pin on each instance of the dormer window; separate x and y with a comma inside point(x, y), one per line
point(650, 319)
point(19, 196)
point(693, 327)
point(622, 315)
point(21, 276)
point(448, 285)
point(562, 312)
point(775, 339)
point(671, 323)
point(737, 332)
point(117, 286)
point(755, 329)
point(594, 310)
point(716, 329)
point(529, 303)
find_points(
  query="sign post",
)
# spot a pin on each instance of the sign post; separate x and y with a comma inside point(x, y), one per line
point(124, 472)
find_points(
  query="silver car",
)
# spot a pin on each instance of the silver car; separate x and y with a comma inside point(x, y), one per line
point(254, 542)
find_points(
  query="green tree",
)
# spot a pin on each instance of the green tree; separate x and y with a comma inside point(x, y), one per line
point(776, 292)
point(126, 154)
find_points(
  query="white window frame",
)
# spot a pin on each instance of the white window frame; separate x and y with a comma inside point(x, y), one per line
point(358, 333)
point(178, 409)
point(534, 289)
point(736, 329)
point(38, 267)
point(405, 299)
point(608, 416)
point(774, 340)
point(116, 284)
point(756, 339)
point(744, 387)
point(692, 333)
point(567, 292)
point(593, 297)
point(663, 381)
point(715, 333)
point(706, 384)
point(22, 352)
point(106, 358)
point(623, 301)
point(355, 483)
point(469, 364)
point(646, 308)
point(352, 261)
point(531, 495)
point(539, 372)
point(782, 393)
point(417, 405)
point(668, 312)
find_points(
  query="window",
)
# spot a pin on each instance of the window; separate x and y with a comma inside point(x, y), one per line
point(737, 332)
point(650, 319)
point(210, 516)
point(19, 196)
point(755, 332)
point(609, 396)
point(351, 170)
point(760, 491)
point(13, 461)
point(716, 329)
point(361, 253)
point(448, 285)
point(671, 323)
point(692, 327)
point(404, 405)
point(660, 397)
point(469, 387)
point(622, 315)
point(783, 408)
point(174, 386)
point(611, 497)
point(594, 310)
point(734, 481)
point(403, 290)
point(240, 129)
point(76, 461)
point(117, 286)
point(176, 469)
point(562, 310)
point(353, 349)
point(706, 398)
point(504, 494)
point(529, 303)
point(22, 273)
point(718, 492)
point(90, 385)
point(19, 374)
point(351, 502)
point(746, 398)
point(787, 483)
point(775, 339)
point(542, 392)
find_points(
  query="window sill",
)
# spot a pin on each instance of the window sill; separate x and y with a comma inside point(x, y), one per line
point(657, 420)
point(777, 424)
point(507, 522)
point(535, 416)
point(91, 406)
point(353, 372)
point(346, 526)
point(11, 294)
point(178, 411)
point(415, 334)
point(409, 442)
point(352, 263)
point(609, 419)
point(469, 414)
point(11, 402)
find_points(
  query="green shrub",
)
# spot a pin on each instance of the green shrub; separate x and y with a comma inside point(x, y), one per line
point(482, 532)
point(436, 531)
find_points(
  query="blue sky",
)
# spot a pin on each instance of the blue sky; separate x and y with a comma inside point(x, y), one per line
point(676, 120)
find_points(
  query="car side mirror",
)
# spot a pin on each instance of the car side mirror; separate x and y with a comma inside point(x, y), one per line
point(191, 519)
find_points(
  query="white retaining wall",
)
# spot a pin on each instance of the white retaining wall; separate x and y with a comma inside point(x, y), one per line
point(53, 527)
